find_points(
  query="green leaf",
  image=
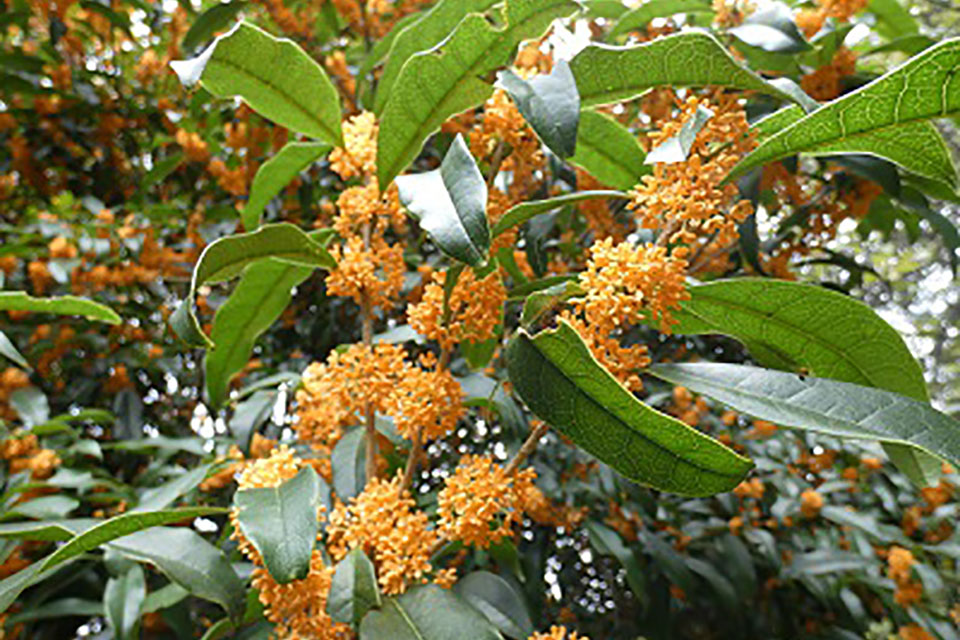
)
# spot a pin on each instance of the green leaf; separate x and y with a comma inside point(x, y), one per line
point(379, 51)
point(518, 214)
point(43, 508)
point(436, 84)
point(164, 598)
point(450, 203)
point(63, 305)
point(826, 406)
point(226, 258)
point(214, 19)
point(348, 462)
point(250, 414)
point(772, 29)
point(559, 379)
point(274, 76)
point(261, 296)
point(871, 119)
point(637, 18)
point(608, 542)
point(498, 601)
point(274, 174)
point(608, 151)
point(9, 351)
point(798, 327)
point(608, 74)
point(353, 590)
point(426, 33)
point(550, 104)
point(828, 562)
point(426, 612)
point(540, 303)
point(58, 609)
point(190, 561)
point(31, 405)
point(47, 531)
point(676, 148)
point(157, 498)
point(122, 599)
point(893, 19)
point(281, 523)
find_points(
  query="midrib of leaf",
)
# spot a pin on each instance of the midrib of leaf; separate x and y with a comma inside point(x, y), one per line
point(284, 97)
point(407, 619)
point(781, 323)
point(642, 435)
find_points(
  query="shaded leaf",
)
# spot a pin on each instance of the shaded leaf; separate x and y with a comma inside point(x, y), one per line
point(498, 601)
point(676, 148)
point(559, 379)
point(274, 174)
point(122, 599)
point(9, 351)
point(608, 151)
point(426, 612)
point(209, 22)
point(353, 590)
point(450, 203)
point(273, 75)
point(518, 214)
point(157, 498)
point(550, 104)
point(348, 462)
point(772, 29)
point(63, 305)
point(31, 405)
point(637, 18)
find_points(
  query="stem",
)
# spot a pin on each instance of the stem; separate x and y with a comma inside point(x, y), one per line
point(528, 446)
point(495, 163)
point(417, 449)
point(664, 238)
point(366, 313)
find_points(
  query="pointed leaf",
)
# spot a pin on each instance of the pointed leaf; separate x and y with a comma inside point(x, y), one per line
point(559, 379)
point(64, 306)
point(226, 258)
point(274, 174)
point(607, 74)
point(273, 75)
point(281, 523)
point(450, 203)
point(772, 29)
point(9, 351)
point(348, 462)
point(353, 590)
point(498, 601)
point(817, 404)
point(436, 84)
point(870, 119)
point(122, 599)
point(217, 17)
point(263, 293)
point(426, 613)
point(676, 148)
point(639, 17)
point(608, 151)
point(156, 498)
point(518, 214)
point(550, 104)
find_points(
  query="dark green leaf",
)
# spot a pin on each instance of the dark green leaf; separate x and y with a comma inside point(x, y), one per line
point(608, 151)
point(450, 203)
point(44, 508)
point(161, 497)
point(559, 379)
point(426, 613)
point(64, 306)
point(9, 350)
point(637, 18)
point(122, 599)
point(274, 76)
point(250, 414)
point(772, 29)
point(522, 212)
point(353, 590)
point(676, 148)
point(348, 460)
point(498, 601)
point(31, 405)
point(274, 174)
point(281, 523)
point(550, 104)
point(209, 22)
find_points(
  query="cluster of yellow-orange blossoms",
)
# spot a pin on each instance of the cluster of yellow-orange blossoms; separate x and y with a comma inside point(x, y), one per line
point(23, 453)
point(369, 269)
point(900, 563)
point(475, 309)
point(385, 523)
point(558, 633)
point(810, 21)
point(824, 83)
point(504, 130)
point(685, 199)
point(298, 608)
point(479, 504)
point(623, 284)
point(337, 393)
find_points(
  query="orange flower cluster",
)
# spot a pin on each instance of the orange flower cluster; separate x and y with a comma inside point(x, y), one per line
point(687, 408)
point(900, 563)
point(810, 21)
point(386, 524)
point(685, 199)
point(337, 393)
point(475, 309)
point(502, 124)
point(558, 633)
point(824, 83)
point(23, 453)
point(752, 488)
point(730, 13)
point(11, 379)
point(193, 145)
point(479, 505)
point(810, 503)
point(623, 284)
point(372, 276)
point(358, 156)
point(914, 632)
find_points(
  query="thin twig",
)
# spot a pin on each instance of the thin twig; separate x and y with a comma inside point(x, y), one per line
point(366, 312)
point(495, 163)
point(528, 447)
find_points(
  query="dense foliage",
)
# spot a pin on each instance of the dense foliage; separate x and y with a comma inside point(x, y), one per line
point(474, 318)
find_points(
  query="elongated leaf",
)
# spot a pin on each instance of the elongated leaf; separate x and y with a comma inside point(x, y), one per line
point(450, 203)
point(430, 30)
point(772, 29)
point(226, 258)
point(281, 523)
point(250, 414)
point(161, 497)
point(43, 508)
point(869, 120)
point(190, 561)
point(498, 601)
point(263, 293)
point(217, 17)
point(436, 84)
point(348, 461)
point(608, 151)
point(31, 405)
point(522, 212)
point(793, 326)
point(58, 609)
point(818, 404)
point(274, 76)
point(47, 531)
point(379, 51)
point(64, 306)
point(122, 599)
point(9, 351)
point(559, 379)
point(353, 590)
point(550, 104)
point(607, 74)
point(676, 148)
point(426, 613)
point(637, 18)
point(276, 173)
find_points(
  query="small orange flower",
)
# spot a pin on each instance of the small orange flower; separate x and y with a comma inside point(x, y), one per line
point(475, 309)
point(558, 633)
point(810, 503)
point(358, 156)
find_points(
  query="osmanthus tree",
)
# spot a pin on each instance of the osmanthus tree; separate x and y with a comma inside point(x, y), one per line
point(514, 330)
